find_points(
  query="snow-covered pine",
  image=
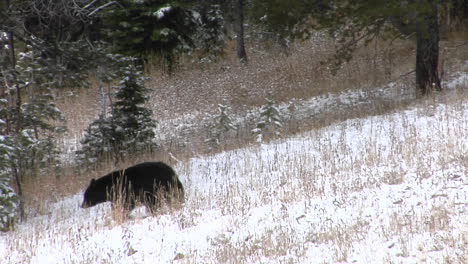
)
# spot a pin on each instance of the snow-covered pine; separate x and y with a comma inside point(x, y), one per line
point(41, 119)
point(8, 198)
point(270, 120)
point(28, 127)
point(222, 124)
point(96, 142)
point(130, 114)
point(210, 36)
point(129, 127)
point(70, 70)
point(9, 202)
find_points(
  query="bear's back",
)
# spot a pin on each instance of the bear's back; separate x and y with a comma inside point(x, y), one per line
point(149, 174)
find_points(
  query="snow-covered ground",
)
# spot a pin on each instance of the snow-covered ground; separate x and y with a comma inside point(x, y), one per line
point(382, 189)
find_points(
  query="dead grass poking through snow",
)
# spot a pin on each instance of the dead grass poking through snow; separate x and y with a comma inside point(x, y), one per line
point(332, 190)
point(374, 190)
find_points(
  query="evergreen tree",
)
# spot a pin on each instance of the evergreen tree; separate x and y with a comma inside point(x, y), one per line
point(27, 114)
point(40, 118)
point(286, 19)
point(210, 36)
point(166, 29)
point(60, 33)
point(222, 124)
point(141, 28)
point(129, 128)
point(97, 141)
point(9, 202)
point(134, 127)
point(270, 118)
point(27, 144)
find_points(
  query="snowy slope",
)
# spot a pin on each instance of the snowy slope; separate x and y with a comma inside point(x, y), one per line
point(382, 189)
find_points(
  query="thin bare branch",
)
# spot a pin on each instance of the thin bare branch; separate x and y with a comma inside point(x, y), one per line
point(99, 9)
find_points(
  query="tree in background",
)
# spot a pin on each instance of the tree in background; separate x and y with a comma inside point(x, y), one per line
point(28, 120)
point(353, 23)
point(164, 28)
point(129, 128)
point(363, 21)
point(9, 200)
point(284, 21)
point(359, 22)
point(241, 53)
point(59, 32)
point(210, 37)
point(142, 28)
point(133, 122)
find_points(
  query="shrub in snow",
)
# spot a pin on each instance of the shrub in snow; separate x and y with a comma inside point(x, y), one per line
point(222, 124)
point(270, 119)
point(97, 141)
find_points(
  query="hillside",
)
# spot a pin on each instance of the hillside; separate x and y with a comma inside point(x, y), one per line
point(388, 188)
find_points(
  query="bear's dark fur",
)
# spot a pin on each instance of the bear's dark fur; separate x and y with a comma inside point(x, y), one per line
point(149, 183)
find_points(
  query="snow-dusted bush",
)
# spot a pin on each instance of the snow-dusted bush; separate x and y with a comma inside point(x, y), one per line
point(222, 124)
point(270, 120)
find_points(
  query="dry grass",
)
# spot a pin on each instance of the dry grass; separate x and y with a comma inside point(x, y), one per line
point(308, 195)
point(299, 75)
point(201, 87)
point(197, 88)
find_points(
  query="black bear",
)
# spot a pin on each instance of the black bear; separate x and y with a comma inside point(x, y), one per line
point(149, 183)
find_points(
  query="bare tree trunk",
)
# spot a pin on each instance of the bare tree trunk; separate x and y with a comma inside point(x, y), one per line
point(427, 53)
point(241, 53)
point(19, 186)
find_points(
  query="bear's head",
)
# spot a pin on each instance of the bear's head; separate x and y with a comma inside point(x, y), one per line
point(94, 194)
